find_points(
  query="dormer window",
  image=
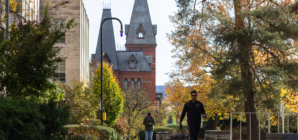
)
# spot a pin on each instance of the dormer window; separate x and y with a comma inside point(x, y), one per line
point(141, 34)
point(132, 62)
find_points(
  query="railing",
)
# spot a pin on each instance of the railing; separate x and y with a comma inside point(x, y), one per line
point(258, 115)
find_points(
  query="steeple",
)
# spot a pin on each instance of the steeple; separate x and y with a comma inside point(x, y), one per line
point(140, 30)
point(109, 47)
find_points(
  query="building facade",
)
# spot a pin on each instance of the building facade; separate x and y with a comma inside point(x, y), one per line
point(135, 67)
point(75, 45)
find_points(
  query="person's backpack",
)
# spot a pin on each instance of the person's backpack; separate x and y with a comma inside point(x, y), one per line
point(188, 117)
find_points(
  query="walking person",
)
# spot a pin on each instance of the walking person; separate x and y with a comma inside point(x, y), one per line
point(149, 121)
point(194, 109)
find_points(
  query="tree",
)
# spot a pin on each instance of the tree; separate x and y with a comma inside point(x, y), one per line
point(159, 112)
point(248, 46)
point(27, 58)
point(113, 97)
point(54, 93)
point(178, 93)
point(84, 103)
point(136, 106)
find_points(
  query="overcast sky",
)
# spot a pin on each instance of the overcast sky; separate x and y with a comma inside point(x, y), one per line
point(122, 9)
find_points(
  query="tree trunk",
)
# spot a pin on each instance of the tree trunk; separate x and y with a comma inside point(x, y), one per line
point(246, 75)
point(215, 121)
point(129, 129)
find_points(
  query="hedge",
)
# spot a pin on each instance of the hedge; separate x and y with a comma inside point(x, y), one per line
point(173, 129)
point(168, 128)
point(90, 132)
point(22, 119)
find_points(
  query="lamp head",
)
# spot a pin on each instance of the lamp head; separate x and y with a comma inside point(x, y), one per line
point(121, 33)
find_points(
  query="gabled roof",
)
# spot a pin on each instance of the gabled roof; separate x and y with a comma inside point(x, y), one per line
point(108, 38)
point(124, 56)
point(140, 15)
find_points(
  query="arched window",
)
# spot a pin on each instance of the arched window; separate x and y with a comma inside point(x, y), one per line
point(141, 34)
point(132, 84)
point(132, 63)
point(139, 84)
point(125, 84)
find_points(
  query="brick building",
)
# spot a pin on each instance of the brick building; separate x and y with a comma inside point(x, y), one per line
point(135, 67)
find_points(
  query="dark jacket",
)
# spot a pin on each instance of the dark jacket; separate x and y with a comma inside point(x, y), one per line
point(149, 120)
point(194, 111)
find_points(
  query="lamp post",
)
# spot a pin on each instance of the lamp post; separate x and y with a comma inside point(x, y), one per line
point(7, 21)
point(7, 36)
point(101, 62)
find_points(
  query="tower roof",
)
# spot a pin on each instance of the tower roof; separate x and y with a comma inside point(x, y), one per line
point(140, 15)
point(109, 47)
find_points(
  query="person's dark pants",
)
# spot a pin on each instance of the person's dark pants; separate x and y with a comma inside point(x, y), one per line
point(194, 128)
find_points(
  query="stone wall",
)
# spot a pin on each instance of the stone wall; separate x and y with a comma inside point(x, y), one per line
point(280, 136)
point(2, 12)
point(76, 46)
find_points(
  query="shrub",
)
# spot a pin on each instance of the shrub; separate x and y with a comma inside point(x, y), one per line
point(28, 120)
point(82, 101)
point(93, 132)
point(170, 128)
point(122, 127)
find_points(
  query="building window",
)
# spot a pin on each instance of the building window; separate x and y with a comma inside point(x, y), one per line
point(141, 34)
point(139, 84)
point(60, 72)
point(125, 83)
point(132, 84)
point(60, 24)
point(132, 63)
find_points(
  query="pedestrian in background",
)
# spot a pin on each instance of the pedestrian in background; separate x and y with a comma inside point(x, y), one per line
point(149, 121)
point(194, 109)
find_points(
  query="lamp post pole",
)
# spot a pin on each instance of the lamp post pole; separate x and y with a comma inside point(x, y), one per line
point(7, 35)
point(7, 21)
point(101, 63)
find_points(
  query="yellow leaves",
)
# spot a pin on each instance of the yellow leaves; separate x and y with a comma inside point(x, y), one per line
point(12, 5)
point(290, 99)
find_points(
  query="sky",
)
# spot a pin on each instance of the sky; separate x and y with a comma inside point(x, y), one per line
point(122, 9)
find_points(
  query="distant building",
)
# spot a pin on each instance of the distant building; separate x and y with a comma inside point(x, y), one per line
point(75, 45)
point(135, 66)
point(161, 89)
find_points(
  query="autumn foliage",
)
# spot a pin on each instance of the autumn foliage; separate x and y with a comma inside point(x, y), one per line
point(247, 49)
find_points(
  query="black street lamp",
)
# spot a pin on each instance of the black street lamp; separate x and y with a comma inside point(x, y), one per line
point(7, 36)
point(101, 62)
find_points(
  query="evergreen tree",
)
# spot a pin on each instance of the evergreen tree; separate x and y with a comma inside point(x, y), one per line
point(27, 58)
point(248, 46)
point(113, 97)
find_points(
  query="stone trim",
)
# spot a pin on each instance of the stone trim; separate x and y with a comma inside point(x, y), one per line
point(134, 73)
